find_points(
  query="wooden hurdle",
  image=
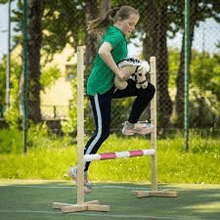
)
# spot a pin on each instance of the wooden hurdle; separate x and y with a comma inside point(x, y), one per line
point(94, 205)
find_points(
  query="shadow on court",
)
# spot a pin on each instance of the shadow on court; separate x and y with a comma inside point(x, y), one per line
point(21, 200)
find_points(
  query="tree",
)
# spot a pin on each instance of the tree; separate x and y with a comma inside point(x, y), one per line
point(199, 11)
point(155, 44)
point(91, 11)
point(63, 23)
point(66, 23)
point(35, 14)
point(3, 1)
point(205, 89)
point(205, 71)
point(56, 18)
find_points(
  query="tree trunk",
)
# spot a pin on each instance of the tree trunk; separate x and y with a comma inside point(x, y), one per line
point(91, 13)
point(165, 103)
point(155, 44)
point(36, 9)
point(179, 100)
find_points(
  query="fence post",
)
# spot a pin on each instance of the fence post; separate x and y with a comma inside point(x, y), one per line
point(54, 111)
point(25, 73)
point(8, 69)
point(186, 74)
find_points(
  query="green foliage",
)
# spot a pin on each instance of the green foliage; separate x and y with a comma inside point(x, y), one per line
point(201, 69)
point(173, 66)
point(204, 87)
point(10, 141)
point(49, 76)
point(2, 81)
point(65, 23)
point(214, 84)
point(39, 136)
point(69, 126)
point(12, 116)
point(205, 72)
point(3, 1)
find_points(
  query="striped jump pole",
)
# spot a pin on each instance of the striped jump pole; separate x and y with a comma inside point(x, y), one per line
point(117, 155)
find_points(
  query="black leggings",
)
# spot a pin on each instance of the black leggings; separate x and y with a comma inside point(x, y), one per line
point(101, 106)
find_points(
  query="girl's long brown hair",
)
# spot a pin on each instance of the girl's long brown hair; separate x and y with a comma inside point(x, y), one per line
point(99, 24)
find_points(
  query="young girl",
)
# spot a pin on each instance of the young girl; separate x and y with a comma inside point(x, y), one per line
point(117, 24)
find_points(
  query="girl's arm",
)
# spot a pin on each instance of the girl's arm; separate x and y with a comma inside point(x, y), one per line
point(106, 56)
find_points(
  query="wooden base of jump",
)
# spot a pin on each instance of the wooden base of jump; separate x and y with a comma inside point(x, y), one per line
point(164, 193)
point(95, 206)
point(86, 206)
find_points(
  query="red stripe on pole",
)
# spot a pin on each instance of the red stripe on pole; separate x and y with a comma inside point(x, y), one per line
point(107, 156)
point(136, 153)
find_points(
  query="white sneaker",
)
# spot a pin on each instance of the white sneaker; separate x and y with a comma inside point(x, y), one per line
point(141, 127)
point(73, 174)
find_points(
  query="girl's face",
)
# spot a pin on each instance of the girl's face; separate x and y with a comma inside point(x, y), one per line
point(128, 25)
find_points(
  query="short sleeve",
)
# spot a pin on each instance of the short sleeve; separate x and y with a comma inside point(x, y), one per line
point(113, 37)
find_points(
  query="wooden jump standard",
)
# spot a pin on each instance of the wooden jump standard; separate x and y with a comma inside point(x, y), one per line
point(94, 205)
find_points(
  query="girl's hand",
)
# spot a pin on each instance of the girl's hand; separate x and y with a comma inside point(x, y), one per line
point(121, 75)
point(120, 84)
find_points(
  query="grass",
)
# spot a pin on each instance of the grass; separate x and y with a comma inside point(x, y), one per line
point(49, 158)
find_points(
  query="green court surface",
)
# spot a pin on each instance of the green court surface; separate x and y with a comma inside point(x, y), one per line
point(31, 199)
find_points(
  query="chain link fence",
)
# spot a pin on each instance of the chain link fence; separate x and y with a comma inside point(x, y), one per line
point(55, 32)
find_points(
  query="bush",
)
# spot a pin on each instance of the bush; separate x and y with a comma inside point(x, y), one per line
point(10, 141)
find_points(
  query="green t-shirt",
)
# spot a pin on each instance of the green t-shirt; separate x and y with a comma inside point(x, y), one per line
point(101, 78)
